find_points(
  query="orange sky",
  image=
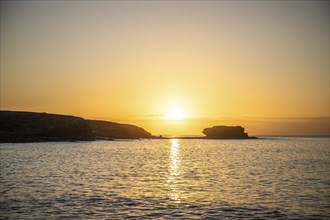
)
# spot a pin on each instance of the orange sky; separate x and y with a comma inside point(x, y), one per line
point(263, 65)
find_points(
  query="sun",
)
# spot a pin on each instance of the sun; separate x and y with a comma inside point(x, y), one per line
point(174, 113)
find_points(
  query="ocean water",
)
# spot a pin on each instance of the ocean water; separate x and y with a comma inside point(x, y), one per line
point(279, 178)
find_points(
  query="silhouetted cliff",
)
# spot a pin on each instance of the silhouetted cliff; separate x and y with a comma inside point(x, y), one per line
point(35, 127)
point(31, 127)
point(225, 132)
point(105, 129)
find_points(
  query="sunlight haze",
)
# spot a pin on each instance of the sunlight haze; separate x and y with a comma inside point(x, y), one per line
point(171, 67)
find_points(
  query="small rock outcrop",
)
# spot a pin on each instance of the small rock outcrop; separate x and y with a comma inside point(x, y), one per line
point(225, 132)
point(110, 130)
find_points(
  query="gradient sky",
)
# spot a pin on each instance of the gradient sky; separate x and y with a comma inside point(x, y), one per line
point(260, 64)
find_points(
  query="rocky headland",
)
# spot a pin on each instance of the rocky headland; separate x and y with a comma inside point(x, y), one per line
point(110, 130)
point(37, 127)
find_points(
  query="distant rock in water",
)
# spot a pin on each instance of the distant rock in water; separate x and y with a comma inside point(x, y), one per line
point(225, 132)
point(105, 129)
point(37, 127)
point(34, 127)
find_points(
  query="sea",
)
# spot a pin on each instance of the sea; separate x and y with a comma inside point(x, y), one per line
point(266, 178)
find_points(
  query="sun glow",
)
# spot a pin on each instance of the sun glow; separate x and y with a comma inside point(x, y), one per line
point(174, 113)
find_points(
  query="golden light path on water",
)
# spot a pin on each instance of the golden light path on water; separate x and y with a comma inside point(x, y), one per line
point(174, 171)
point(279, 178)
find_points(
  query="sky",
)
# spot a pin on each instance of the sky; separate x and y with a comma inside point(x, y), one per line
point(263, 65)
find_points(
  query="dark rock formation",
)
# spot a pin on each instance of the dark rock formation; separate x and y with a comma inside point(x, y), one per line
point(34, 127)
point(225, 132)
point(106, 130)
point(37, 127)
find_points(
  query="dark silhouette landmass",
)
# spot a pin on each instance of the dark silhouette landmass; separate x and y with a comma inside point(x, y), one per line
point(226, 132)
point(37, 127)
point(32, 127)
point(106, 130)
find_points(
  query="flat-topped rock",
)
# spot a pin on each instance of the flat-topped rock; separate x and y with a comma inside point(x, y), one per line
point(225, 132)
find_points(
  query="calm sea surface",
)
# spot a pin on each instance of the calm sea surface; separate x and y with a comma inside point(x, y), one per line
point(281, 178)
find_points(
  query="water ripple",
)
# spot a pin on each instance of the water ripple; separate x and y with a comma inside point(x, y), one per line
point(166, 179)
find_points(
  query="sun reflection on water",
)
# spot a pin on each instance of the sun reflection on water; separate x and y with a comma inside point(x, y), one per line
point(174, 171)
